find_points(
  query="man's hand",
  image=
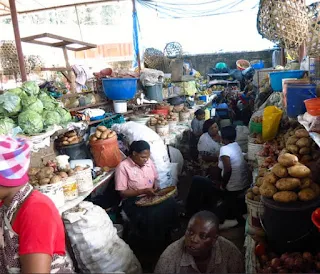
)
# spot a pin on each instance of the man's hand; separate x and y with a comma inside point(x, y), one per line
point(149, 192)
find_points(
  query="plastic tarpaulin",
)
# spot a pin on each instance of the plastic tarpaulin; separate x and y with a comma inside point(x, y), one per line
point(136, 29)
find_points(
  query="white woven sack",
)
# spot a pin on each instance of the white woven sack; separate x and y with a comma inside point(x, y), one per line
point(96, 245)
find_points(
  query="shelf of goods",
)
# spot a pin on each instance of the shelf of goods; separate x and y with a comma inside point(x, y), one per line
point(99, 181)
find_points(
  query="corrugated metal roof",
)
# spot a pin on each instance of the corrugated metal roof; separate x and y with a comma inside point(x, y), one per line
point(24, 6)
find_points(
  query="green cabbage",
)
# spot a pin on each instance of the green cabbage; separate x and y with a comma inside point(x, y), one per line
point(31, 88)
point(47, 105)
point(6, 125)
point(10, 104)
point(64, 114)
point(51, 118)
point(16, 91)
point(30, 122)
point(43, 97)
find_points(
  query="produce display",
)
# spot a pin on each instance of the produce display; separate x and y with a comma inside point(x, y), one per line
point(257, 138)
point(288, 181)
point(297, 262)
point(160, 120)
point(69, 138)
point(102, 133)
point(30, 108)
point(257, 119)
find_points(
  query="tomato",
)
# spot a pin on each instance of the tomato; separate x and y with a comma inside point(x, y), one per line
point(317, 214)
point(260, 250)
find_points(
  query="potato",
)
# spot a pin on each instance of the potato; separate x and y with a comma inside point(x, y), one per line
point(33, 171)
point(112, 134)
point(286, 184)
point(98, 134)
point(280, 170)
point(299, 171)
point(257, 198)
point(78, 168)
point(270, 178)
point(255, 190)
point(55, 179)
point(44, 181)
point(71, 134)
point(65, 143)
point(293, 149)
point(285, 197)
point(305, 159)
point(70, 139)
point(307, 194)
point(71, 172)
point(315, 188)
point(262, 172)
point(93, 138)
point(65, 138)
point(63, 174)
point(102, 128)
point(267, 190)
point(287, 160)
point(300, 133)
point(304, 151)
point(305, 182)
point(259, 181)
point(292, 140)
point(303, 142)
point(250, 195)
point(104, 135)
point(76, 141)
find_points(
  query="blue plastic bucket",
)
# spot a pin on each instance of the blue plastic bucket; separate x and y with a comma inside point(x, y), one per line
point(296, 94)
point(119, 88)
point(258, 65)
point(276, 77)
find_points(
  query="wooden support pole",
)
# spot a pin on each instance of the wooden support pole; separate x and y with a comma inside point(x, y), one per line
point(69, 71)
point(14, 18)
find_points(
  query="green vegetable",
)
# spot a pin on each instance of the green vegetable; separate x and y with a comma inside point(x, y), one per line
point(27, 100)
point(43, 96)
point(36, 106)
point(64, 114)
point(16, 91)
point(6, 125)
point(47, 105)
point(31, 88)
point(51, 118)
point(30, 122)
point(10, 104)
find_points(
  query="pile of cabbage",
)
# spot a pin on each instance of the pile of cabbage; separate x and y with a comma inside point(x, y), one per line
point(30, 108)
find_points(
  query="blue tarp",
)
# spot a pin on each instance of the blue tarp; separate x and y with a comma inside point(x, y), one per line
point(136, 29)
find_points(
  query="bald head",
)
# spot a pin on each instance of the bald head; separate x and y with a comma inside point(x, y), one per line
point(208, 217)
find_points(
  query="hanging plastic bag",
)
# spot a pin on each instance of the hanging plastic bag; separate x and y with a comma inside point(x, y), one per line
point(271, 121)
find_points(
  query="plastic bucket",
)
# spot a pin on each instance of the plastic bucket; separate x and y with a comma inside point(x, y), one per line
point(242, 64)
point(70, 188)
point(106, 152)
point(120, 106)
point(257, 64)
point(296, 95)
point(255, 211)
point(289, 227)
point(75, 152)
point(155, 92)
point(119, 88)
point(162, 130)
point(54, 192)
point(313, 106)
point(253, 150)
point(277, 77)
point(84, 180)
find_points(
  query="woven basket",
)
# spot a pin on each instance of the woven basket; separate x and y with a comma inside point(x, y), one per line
point(313, 39)
point(153, 58)
point(283, 22)
point(162, 195)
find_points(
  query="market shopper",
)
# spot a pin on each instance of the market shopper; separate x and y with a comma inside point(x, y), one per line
point(137, 176)
point(197, 127)
point(32, 236)
point(206, 192)
point(201, 250)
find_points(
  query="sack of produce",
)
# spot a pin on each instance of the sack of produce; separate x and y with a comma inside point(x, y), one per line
point(96, 245)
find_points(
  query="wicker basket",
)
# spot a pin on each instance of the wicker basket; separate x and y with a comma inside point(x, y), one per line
point(313, 39)
point(284, 22)
point(161, 196)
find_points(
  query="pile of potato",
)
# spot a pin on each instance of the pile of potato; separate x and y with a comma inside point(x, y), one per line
point(257, 138)
point(288, 181)
point(257, 119)
point(69, 138)
point(159, 120)
point(172, 117)
point(48, 175)
point(102, 133)
point(185, 110)
point(299, 143)
point(253, 193)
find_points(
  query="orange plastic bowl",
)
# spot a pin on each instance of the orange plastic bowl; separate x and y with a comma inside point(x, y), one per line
point(242, 64)
point(313, 106)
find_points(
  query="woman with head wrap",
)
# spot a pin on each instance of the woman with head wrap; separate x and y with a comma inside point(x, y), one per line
point(32, 237)
point(135, 177)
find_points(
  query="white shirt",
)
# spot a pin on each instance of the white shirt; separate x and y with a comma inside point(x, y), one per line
point(207, 146)
point(239, 174)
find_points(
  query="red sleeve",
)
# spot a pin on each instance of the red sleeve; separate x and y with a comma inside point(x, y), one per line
point(38, 230)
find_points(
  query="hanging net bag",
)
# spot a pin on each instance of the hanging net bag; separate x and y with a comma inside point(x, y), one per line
point(313, 39)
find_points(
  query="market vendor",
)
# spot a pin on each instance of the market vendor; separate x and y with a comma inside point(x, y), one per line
point(205, 193)
point(32, 236)
point(197, 127)
point(137, 176)
point(201, 250)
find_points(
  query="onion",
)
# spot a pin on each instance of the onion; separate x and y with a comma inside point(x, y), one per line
point(264, 259)
point(283, 270)
point(284, 257)
point(318, 256)
point(289, 262)
point(275, 263)
point(307, 256)
point(272, 255)
point(318, 266)
point(298, 262)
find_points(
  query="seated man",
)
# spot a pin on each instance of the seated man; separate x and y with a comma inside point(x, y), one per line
point(205, 193)
point(201, 250)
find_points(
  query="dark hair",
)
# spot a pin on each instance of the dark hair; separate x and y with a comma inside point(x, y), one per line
point(207, 216)
point(138, 146)
point(229, 133)
point(207, 124)
point(199, 112)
